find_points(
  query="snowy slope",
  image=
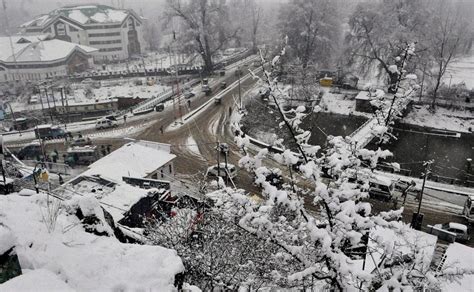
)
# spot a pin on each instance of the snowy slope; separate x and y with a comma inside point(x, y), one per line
point(70, 258)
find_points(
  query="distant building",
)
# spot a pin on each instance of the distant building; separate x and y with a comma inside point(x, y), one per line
point(39, 57)
point(117, 33)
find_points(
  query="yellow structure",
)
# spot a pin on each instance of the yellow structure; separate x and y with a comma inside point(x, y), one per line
point(326, 82)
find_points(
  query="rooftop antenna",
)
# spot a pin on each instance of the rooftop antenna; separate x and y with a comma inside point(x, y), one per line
point(7, 30)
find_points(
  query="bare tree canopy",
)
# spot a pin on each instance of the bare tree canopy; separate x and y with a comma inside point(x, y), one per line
point(203, 23)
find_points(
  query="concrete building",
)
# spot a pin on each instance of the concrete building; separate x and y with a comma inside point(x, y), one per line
point(117, 33)
point(38, 57)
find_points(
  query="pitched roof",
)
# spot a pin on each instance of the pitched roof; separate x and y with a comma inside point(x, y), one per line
point(83, 14)
point(38, 49)
point(135, 159)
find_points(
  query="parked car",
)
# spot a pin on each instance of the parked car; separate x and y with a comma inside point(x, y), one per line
point(81, 142)
point(50, 132)
point(460, 230)
point(468, 210)
point(381, 189)
point(223, 85)
point(30, 151)
point(81, 155)
point(215, 170)
point(105, 124)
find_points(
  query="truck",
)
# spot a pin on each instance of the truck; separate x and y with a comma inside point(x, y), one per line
point(50, 132)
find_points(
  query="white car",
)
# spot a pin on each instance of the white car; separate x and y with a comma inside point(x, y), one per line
point(460, 230)
point(105, 124)
point(230, 172)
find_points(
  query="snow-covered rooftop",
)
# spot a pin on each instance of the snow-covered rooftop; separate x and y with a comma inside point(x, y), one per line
point(38, 49)
point(134, 159)
point(69, 259)
point(459, 256)
point(82, 14)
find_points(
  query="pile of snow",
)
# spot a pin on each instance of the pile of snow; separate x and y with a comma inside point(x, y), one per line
point(68, 258)
point(7, 240)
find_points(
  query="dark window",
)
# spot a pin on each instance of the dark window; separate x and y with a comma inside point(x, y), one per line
point(105, 42)
point(92, 35)
point(110, 49)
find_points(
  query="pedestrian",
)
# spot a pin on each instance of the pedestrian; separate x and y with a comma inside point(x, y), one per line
point(189, 103)
point(102, 150)
point(61, 181)
point(108, 148)
point(79, 135)
point(230, 110)
point(54, 156)
point(124, 119)
point(161, 129)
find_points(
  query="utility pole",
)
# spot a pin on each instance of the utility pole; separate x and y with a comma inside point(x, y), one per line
point(218, 163)
point(417, 217)
point(240, 92)
point(2, 156)
point(49, 106)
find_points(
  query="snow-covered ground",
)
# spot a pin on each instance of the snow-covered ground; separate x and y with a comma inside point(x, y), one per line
point(459, 256)
point(339, 103)
point(108, 91)
point(453, 120)
point(462, 70)
point(64, 257)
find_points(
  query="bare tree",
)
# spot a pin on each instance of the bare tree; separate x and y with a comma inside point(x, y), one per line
point(379, 31)
point(313, 30)
point(447, 38)
point(204, 24)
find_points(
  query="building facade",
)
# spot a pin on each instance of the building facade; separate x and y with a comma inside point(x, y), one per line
point(117, 33)
point(38, 57)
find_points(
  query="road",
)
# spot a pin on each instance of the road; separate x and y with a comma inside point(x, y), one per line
point(194, 143)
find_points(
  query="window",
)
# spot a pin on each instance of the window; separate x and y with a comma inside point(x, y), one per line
point(162, 173)
point(170, 168)
point(105, 42)
point(61, 29)
point(110, 49)
point(105, 34)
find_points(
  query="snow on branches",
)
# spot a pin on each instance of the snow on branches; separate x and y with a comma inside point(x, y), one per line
point(324, 235)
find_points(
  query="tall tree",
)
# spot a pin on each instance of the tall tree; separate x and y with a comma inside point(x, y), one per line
point(447, 38)
point(204, 25)
point(379, 30)
point(313, 29)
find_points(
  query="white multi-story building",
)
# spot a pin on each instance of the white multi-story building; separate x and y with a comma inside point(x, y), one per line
point(38, 57)
point(117, 33)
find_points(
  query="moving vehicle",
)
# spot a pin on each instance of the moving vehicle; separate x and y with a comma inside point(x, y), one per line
point(31, 151)
point(50, 132)
point(188, 94)
point(160, 107)
point(468, 210)
point(81, 142)
point(220, 170)
point(460, 230)
point(84, 155)
point(105, 123)
point(223, 85)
